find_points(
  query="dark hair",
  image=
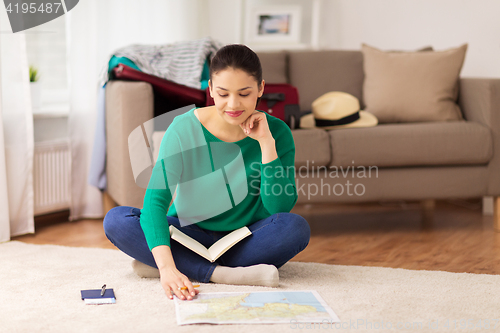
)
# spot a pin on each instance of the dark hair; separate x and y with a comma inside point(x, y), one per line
point(237, 56)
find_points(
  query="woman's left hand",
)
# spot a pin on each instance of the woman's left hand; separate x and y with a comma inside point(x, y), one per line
point(256, 126)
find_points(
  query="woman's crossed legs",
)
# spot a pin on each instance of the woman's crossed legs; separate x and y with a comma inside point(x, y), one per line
point(274, 241)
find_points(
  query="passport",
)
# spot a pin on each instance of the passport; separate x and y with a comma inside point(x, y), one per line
point(93, 296)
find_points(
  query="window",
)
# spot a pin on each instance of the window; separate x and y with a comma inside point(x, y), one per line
point(46, 50)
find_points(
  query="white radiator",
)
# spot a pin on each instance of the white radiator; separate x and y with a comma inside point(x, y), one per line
point(51, 176)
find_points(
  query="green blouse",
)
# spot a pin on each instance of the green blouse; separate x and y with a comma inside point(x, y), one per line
point(220, 186)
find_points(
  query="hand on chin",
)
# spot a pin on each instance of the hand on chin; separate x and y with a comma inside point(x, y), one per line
point(256, 126)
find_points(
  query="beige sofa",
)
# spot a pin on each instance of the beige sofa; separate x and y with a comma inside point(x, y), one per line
point(412, 161)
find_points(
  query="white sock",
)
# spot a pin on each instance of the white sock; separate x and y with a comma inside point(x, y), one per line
point(256, 275)
point(145, 271)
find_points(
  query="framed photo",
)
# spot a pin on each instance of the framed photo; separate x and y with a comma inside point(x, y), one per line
point(273, 24)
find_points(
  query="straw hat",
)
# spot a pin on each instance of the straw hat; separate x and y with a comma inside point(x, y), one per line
point(337, 109)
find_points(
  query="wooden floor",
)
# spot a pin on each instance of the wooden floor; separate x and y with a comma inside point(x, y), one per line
point(454, 237)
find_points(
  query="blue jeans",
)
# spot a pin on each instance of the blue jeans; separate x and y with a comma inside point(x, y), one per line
point(274, 240)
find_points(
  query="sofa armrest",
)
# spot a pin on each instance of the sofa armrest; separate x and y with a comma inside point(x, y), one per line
point(128, 105)
point(479, 99)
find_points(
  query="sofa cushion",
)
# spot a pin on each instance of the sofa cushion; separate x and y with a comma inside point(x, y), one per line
point(412, 86)
point(418, 144)
point(316, 73)
point(312, 148)
point(273, 66)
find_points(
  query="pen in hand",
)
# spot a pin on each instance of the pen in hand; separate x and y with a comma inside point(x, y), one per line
point(185, 288)
point(195, 286)
point(103, 290)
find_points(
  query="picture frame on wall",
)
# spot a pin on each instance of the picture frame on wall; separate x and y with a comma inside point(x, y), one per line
point(266, 25)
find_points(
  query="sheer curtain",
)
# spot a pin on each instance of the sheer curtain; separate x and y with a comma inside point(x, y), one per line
point(94, 30)
point(16, 135)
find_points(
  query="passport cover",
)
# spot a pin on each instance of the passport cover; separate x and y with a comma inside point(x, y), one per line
point(96, 293)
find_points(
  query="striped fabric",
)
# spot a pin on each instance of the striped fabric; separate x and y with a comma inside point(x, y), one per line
point(181, 62)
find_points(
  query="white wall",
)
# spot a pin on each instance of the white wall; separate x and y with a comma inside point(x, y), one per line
point(390, 24)
point(412, 24)
point(148, 22)
point(225, 20)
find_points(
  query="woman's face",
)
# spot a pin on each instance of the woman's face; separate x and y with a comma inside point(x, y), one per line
point(235, 94)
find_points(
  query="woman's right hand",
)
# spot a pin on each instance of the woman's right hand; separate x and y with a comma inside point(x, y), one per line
point(171, 280)
point(170, 277)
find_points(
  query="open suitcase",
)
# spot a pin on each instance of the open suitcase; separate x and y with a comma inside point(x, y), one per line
point(280, 100)
point(168, 95)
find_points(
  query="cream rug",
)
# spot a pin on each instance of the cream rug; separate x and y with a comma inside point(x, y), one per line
point(40, 292)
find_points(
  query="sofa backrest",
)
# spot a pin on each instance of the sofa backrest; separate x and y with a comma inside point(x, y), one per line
point(315, 72)
point(274, 66)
